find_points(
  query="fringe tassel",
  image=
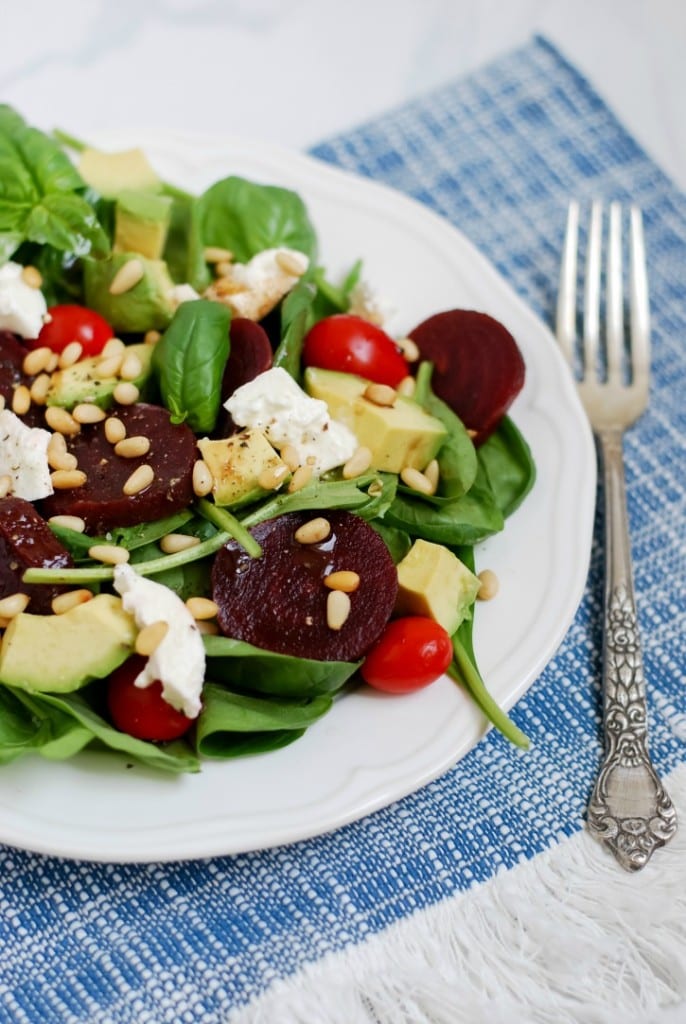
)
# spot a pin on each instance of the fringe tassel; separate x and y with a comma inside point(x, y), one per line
point(567, 938)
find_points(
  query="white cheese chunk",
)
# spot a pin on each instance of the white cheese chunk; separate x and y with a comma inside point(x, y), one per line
point(24, 457)
point(179, 660)
point(253, 289)
point(183, 293)
point(22, 308)
point(370, 305)
point(274, 403)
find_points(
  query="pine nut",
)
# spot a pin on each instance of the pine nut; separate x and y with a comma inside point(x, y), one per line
point(201, 608)
point(289, 454)
point(131, 367)
point(380, 394)
point(375, 489)
point(174, 542)
point(6, 484)
point(113, 347)
point(313, 531)
point(62, 460)
point(406, 386)
point(141, 478)
point(75, 523)
point(359, 462)
point(337, 609)
point(409, 349)
point(150, 637)
point(2, 402)
point(70, 354)
point(203, 482)
point(489, 585)
point(57, 445)
point(88, 412)
point(21, 400)
point(127, 277)
point(36, 361)
point(344, 580)
point(108, 553)
point(109, 367)
point(40, 387)
point(65, 479)
point(4, 623)
point(272, 477)
point(223, 270)
point(126, 393)
point(207, 628)
point(432, 474)
point(32, 276)
point(132, 447)
point(60, 420)
point(52, 364)
point(151, 337)
point(13, 604)
point(293, 263)
point(416, 480)
point(214, 254)
point(300, 478)
point(70, 599)
point(115, 431)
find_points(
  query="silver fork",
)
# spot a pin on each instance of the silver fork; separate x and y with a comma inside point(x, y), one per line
point(629, 809)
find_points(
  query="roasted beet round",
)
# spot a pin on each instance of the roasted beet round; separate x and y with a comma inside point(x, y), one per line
point(278, 601)
point(478, 368)
point(27, 542)
point(101, 501)
point(12, 355)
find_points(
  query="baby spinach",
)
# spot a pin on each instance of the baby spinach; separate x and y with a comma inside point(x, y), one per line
point(190, 360)
point(40, 194)
point(255, 670)
point(246, 218)
point(296, 319)
point(183, 248)
point(466, 520)
point(507, 461)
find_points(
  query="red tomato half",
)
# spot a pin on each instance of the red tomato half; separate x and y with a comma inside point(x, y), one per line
point(350, 344)
point(143, 713)
point(410, 653)
point(74, 323)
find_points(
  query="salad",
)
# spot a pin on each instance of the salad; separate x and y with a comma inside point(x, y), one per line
point(230, 448)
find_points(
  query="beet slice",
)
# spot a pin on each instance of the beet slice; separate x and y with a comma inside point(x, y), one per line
point(250, 355)
point(27, 542)
point(278, 601)
point(101, 501)
point(12, 355)
point(478, 368)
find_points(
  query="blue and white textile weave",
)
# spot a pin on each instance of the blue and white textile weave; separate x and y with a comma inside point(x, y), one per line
point(477, 898)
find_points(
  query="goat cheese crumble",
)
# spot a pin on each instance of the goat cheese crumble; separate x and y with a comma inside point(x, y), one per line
point(179, 659)
point(274, 403)
point(254, 288)
point(22, 308)
point(24, 457)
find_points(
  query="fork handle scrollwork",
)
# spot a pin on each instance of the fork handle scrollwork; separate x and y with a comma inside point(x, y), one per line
point(630, 811)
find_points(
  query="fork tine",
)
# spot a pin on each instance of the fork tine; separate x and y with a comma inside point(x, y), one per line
point(592, 289)
point(615, 296)
point(640, 303)
point(566, 296)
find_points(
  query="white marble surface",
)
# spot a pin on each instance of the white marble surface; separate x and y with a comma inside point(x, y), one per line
point(294, 72)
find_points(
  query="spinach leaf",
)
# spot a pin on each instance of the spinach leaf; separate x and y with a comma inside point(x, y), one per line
point(247, 217)
point(507, 461)
point(296, 319)
point(190, 359)
point(397, 541)
point(40, 198)
point(255, 670)
point(331, 298)
point(457, 458)
point(233, 724)
point(320, 493)
point(183, 249)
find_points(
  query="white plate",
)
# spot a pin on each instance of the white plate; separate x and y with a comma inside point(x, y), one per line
point(371, 749)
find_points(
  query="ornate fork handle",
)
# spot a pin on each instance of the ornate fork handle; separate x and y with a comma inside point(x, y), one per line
point(629, 810)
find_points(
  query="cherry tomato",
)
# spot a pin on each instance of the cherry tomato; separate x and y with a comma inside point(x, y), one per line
point(352, 345)
point(410, 653)
point(74, 323)
point(143, 713)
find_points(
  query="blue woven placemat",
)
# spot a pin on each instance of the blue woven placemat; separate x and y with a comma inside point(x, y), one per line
point(499, 154)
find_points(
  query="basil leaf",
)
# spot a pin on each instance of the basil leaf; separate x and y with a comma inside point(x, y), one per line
point(247, 217)
point(190, 360)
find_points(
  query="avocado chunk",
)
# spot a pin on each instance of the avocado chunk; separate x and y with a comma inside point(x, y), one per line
point(236, 464)
point(141, 222)
point(432, 581)
point(110, 174)
point(61, 653)
point(397, 436)
point(80, 382)
point(148, 304)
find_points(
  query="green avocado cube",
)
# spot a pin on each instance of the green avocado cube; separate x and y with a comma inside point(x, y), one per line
point(432, 581)
point(141, 222)
point(237, 463)
point(110, 174)
point(398, 436)
point(144, 305)
point(81, 381)
point(61, 653)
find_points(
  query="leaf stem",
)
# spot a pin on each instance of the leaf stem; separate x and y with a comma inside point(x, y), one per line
point(463, 670)
point(230, 525)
